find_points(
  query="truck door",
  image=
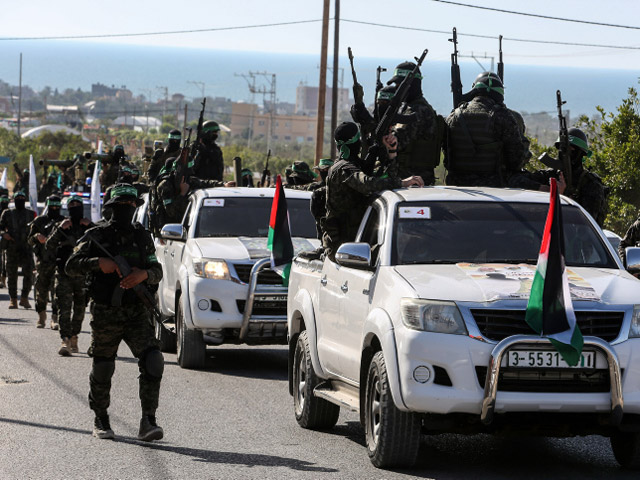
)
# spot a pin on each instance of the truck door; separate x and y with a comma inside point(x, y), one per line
point(173, 260)
point(328, 317)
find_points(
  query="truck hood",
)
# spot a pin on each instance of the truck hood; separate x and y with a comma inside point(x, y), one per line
point(467, 282)
point(245, 248)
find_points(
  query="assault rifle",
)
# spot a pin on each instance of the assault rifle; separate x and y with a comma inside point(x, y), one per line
point(140, 290)
point(456, 83)
point(184, 163)
point(18, 171)
point(200, 121)
point(563, 144)
point(500, 62)
point(402, 91)
point(265, 171)
point(379, 86)
point(358, 92)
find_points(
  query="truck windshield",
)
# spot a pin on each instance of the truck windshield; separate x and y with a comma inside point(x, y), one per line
point(483, 232)
point(249, 217)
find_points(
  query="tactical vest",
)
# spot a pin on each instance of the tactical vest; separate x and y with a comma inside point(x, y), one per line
point(472, 145)
point(585, 179)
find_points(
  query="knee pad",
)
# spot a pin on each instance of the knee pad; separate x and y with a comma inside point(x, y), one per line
point(151, 363)
point(103, 369)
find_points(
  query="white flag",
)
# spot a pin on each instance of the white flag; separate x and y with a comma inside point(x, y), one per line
point(96, 208)
point(3, 180)
point(33, 187)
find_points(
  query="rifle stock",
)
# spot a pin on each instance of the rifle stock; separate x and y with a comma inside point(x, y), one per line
point(563, 146)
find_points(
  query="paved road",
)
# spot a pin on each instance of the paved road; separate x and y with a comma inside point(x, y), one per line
point(232, 420)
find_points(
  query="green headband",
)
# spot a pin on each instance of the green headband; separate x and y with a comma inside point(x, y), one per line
point(382, 95)
point(54, 203)
point(325, 163)
point(490, 87)
point(580, 143)
point(212, 128)
point(4, 199)
point(342, 145)
point(75, 198)
point(124, 191)
point(174, 136)
point(401, 72)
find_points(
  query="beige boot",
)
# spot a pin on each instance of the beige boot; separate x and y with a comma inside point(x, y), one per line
point(24, 302)
point(42, 316)
point(65, 351)
point(13, 303)
point(73, 344)
point(54, 322)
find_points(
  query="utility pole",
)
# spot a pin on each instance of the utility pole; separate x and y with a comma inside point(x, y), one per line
point(166, 100)
point(322, 83)
point(198, 84)
point(20, 97)
point(264, 91)
point(334, 88)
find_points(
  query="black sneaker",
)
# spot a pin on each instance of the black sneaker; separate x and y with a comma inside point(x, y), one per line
point(102, 428)
point(149, 429)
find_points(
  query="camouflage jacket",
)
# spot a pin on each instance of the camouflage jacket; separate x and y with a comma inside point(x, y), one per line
point(159, 159)
point(589, 191)
point(42, 225)
point(173, 203)
point(631, 239)
point(347, 190)
point(61, 242)
point(16, 223)
point(208, 163)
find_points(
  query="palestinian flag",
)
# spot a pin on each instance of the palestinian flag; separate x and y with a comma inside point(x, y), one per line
point(279, 241)
point(550, 311)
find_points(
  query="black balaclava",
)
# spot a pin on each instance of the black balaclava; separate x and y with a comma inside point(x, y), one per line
point(347, 137)
point(123, 214)
point(75, 212)
point(19, 203)
point(54, 213)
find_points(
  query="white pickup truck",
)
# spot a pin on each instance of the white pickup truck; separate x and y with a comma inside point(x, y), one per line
point(217, 286)
point(419, 326)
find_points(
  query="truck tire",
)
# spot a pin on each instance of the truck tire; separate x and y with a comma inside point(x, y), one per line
point(392, 436)
point(626, 449)
point(191, 348)
point(311, 412)
point(166, 337)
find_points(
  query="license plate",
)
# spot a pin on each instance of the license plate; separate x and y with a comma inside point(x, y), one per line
point(545, 359)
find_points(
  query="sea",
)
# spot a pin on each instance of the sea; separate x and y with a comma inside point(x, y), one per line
point(147, 70)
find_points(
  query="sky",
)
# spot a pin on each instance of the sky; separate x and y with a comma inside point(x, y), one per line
point(39, 18)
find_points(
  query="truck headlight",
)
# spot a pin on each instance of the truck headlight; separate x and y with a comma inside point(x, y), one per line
point(208, 268)
point(432, 316)
point(634, 329)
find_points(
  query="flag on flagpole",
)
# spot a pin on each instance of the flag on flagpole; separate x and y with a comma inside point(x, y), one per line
point(279, 240)
point(3, 180)
point(33, 187)
point(550, 311)
point(96, 208)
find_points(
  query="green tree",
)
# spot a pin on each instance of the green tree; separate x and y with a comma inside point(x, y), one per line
point(614, 138)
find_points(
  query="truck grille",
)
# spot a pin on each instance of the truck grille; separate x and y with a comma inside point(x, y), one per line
point(265, 277)
point(549, 380)
point(271, 307)
point(500, 324)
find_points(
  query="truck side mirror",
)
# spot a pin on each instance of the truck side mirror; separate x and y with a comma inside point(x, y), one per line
point(633, 259)
point(354, 255)
point(173, 231)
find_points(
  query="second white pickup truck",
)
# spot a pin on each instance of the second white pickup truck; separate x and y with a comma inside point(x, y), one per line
point(419, 326)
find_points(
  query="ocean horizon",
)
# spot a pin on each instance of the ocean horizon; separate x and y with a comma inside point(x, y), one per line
point(142, 69)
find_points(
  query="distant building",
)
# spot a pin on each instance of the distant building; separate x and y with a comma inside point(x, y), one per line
point(137, 122)
point(248, 121)
point(99, 90)
point(307, 99)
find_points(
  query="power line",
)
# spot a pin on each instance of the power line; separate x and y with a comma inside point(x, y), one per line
point(512, 39)
point(172, 32)
point(546, 17)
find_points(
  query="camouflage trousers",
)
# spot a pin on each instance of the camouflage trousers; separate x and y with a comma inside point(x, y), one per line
point(45, 286)
point(15, 259)
point(109, 326)
point(70, 294)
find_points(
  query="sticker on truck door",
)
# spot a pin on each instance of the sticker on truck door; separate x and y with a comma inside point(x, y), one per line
point(415, 212)
point(213, 202)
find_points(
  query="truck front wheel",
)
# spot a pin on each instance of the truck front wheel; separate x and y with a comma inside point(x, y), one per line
point(626, 449)
point(392, 436)
point(191, 347)
point(311, 412)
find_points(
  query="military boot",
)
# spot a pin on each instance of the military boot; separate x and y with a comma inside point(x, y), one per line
point(65, 350)
point(149, 429)
point(42, 316)
point(54, 322)
point(24, 302)
point(102, 428)
point(13, 303)
point(73, 344)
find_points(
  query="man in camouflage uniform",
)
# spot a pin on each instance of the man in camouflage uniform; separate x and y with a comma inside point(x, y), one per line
point(485, 145)
point(39, 230)
point(4, 205)
point(247, 178)
point(70, 291)
point(631, 239)
point(208, 160)
point(14, 225)
point(318, 203)
point(111, 169)
point(420, 139)
point(160, 156)
point(301, 174)
point(128, 321)
point(348, 188)
point(173, 194)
